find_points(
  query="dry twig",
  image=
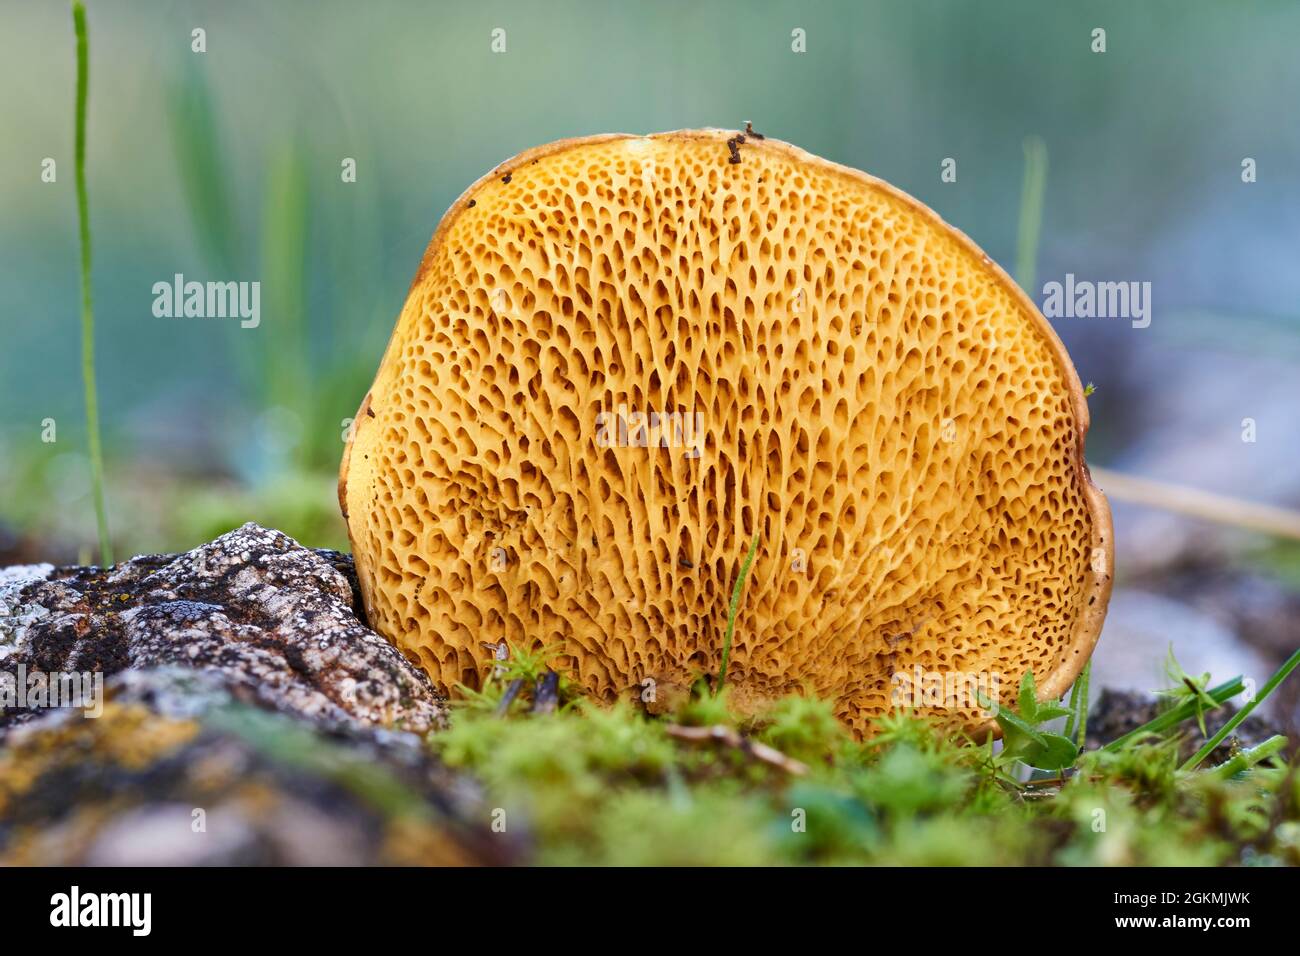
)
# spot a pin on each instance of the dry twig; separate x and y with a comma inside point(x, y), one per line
point(724, 735)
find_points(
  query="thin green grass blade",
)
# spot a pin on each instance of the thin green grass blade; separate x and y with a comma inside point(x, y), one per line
point(284, 272)
point(1280, 675)
point(205, 169)
point(731, 613)
point(1074, 707)
point(87, 306)
point(1082, 722)
point(1248, 758)
point(202, 165)
point(1176, 715)
point(1032, 189)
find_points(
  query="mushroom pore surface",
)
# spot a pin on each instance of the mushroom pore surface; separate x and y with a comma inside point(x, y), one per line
point(853, 381)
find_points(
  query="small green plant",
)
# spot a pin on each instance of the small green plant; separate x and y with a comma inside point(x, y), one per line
point(612, 785)
point(87, 307)
point(1187, 688)
point(1176, 715)
point(1024, 740)
point(1273, 683)
point(521, 675)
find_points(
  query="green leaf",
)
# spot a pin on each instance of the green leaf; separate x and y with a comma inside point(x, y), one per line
point(1055, 753)
point(1186, 687)
point(1051, 711)
point(1029, 698)
point(1016, 731)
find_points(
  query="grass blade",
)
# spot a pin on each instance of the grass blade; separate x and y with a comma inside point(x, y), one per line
point(87, 307)
point(1079, 707)
point(1248, 758)
point(1176, 715)
point(1032, 189)
point(731, 613)
point(202, 164)
point(1082, 712)
point(1282, 673)
point(284, 274)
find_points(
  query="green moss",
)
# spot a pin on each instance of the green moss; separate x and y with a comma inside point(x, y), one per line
point(706, 710)
point(707, 827)
point(908, 781)
point(613, 786)
point(806, 729)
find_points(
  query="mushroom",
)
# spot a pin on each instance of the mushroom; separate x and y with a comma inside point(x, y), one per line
point(623, 357)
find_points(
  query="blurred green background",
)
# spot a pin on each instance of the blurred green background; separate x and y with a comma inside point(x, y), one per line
point(225, 165)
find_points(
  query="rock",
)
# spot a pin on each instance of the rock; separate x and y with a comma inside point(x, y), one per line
point(247, 716)
point(234, 785)
point(276, 622)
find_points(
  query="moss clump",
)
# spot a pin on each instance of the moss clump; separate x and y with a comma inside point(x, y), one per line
point(612, 786)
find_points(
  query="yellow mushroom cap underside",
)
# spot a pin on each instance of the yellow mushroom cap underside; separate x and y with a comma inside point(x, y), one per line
point(624, 356)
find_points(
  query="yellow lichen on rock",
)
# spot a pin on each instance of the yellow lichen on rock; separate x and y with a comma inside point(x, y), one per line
point(128, 737)
point(623, 356)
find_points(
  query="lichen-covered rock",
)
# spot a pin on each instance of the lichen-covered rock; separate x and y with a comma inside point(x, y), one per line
point(275, 622)
point(231, 785)
point(248, 716)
